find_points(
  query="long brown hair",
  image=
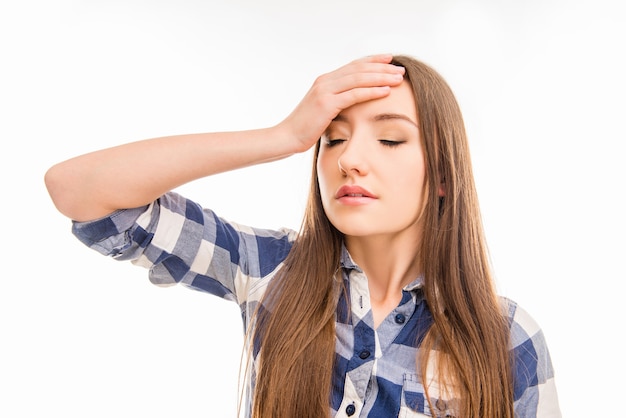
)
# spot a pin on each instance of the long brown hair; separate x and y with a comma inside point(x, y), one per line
point(295, 325)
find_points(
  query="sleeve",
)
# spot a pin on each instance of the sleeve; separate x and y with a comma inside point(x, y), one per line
point(180, 242)
point(534, 388)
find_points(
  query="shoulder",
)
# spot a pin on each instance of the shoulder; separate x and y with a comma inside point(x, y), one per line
point(523, 326)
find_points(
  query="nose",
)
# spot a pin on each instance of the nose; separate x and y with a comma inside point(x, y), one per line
point(354, 158)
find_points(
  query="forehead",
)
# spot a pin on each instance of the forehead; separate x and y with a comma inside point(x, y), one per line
point(400, 101)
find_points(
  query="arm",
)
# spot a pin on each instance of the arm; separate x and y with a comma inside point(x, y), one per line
point(96, 184)
point(534, 389)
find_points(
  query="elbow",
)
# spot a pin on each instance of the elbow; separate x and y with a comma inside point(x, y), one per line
point(73, 194)
point(55, 183)
point(60, 186)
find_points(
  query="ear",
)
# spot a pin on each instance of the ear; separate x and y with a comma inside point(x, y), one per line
point(441, 189)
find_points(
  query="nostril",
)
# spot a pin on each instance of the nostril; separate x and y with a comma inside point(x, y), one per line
point(352, 161)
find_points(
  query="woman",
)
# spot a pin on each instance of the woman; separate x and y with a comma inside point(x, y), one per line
point(383, 304)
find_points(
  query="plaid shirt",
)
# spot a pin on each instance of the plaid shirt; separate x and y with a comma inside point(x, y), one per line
point(375, 369)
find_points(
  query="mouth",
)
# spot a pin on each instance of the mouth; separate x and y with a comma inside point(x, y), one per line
point(354, 195)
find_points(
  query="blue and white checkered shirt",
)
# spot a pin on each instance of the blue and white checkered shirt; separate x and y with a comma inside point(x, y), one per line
point(375, 369)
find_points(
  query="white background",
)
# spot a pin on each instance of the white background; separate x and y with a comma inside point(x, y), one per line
point(541, 85)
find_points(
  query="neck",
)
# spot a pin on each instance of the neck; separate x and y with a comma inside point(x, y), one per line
point(390, 263)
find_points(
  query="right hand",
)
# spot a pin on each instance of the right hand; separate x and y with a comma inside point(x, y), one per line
point(365, 79)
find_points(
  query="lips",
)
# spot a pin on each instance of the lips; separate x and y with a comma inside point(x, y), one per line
point(352, 194)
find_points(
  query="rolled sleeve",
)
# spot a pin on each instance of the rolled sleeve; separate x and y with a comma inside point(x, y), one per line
point(180, 242)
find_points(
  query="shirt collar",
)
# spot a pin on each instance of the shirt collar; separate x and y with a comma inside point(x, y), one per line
point(415, 284)
point(346, 260)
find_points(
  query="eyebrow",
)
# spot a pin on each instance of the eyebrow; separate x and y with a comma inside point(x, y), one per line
point(380, 117)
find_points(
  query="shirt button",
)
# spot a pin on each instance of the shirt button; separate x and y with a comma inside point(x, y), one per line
point(364, 354)
point(400, 319)
point(350, 410)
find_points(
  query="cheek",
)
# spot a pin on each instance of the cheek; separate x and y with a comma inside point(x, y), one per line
point(322, 181)
point(410, 187)
point(324, 170)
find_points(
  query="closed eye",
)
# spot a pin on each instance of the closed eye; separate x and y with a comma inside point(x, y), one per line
point(333, 142)
point(390, 143)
